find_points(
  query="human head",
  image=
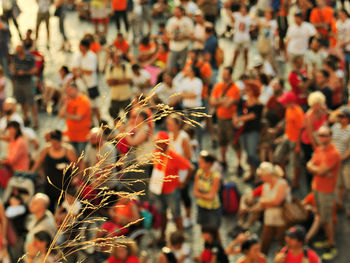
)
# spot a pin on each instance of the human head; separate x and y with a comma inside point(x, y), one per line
point(176, 240)
point(251, 88)
point(162, 141)
point(174, 122)
point(321, 3)
point(251, 248)
point(39, 203)
point(179, 11)
point(324, 134)
point(267, 171)
point(42, 240)
point(316, 100)
point(243, 9)
point(315, 43)
point(84, 46)
point(124, 250)
point(20, 50)
point(210, 234)
point(14, 129)
point(9, 105)
point(227, 74)
point(298, 62)
point(298, 17)
point(277, 85)
point(64, 71)
point(95, 137)
point(322, 77)
point(136, 69)
point(343, 14)
point(295, 236)
point(205, 160)
point(55, 138)
point(72, 90)
point(344, 116)
point(198, 17)
point(168, 78)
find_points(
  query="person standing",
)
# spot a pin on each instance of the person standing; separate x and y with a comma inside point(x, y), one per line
point(43, 16)
point(224, 97)
point(61, 13)
point(119, 8)
point(10, 10)
point(118, 76)
point(325, 165)
point(23, 69)
point(180, 30)
point(85, 68)
point(77, 112)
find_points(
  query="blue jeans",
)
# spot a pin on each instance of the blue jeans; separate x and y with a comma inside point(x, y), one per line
point(249, 142)
point(79, 147)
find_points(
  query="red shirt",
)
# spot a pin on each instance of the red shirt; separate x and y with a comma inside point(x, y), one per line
point(330, 157)
point(311, 255)
point(119, 5)
point(174, 163)
point(294, 80)
point(130, 259)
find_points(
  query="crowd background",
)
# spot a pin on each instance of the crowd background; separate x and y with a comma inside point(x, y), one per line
point(288, 83)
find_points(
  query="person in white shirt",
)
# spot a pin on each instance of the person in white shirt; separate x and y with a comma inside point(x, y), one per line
point(241, 38)
point(190, 7)
point(343, 39)
point(180, 30)
point(43, 16)
point(199, 31)
point(85, 69)
point(298, 36)
point(141, 80)
point(266, 89)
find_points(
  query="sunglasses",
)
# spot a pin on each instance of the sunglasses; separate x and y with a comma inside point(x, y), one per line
point(323, 135)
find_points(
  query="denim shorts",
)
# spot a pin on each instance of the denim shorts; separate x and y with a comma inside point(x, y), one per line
point(209, 217)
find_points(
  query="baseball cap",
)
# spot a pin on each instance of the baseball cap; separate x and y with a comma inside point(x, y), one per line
point(296, 232)
point(345, 112)
point(287, 97)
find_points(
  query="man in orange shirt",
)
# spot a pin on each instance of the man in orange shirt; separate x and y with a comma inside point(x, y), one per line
point(322, 17)
point(120, 12)
point(76, 110)
point(324, 165)
point(290, 144)
point(224, 97)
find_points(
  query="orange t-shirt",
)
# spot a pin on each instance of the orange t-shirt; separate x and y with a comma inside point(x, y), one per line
point(18, 157)
point(163, 57)
point(325, 15)
point(122, 46)
point(119, 5)
point(232, 92)
point(95, 47)
point(77, 131)
point(329, 156)
point(174, 163)
point(294, 122)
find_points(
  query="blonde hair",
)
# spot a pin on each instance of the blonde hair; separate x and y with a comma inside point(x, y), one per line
point(316, 97)
point(278, 171)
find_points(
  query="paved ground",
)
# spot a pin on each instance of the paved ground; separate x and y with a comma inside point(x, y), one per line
point(55, 58)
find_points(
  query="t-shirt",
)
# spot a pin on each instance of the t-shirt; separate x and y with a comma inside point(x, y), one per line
point(343, 32)
point(329, 156)
point(130, 259)
point(165, 93)
point(199, 33)
point(175, 27)
point(230, 92)
point(254, 124)
point(77, 131)
point(299, 37)
point(324, 15)
point(242, 26)
point(295, 78)
point(174, 163)
point(26, 64)
point(328, 93)
point(141, 79)
point(341, 139)
point(294, 122)
point(119, 5)
point(210, 46)
point(194, 85)
point(120, 91)
point(44, 6)
point(311, 255)
point(122, 46)
point(87, 62)
point(204, 185)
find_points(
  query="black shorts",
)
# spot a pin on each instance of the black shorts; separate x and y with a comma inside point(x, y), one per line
point(282, 23)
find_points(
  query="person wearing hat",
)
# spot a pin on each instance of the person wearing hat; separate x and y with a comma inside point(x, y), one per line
point(324, 165)
point(289, 144)
point(298, 35)
point(294, 251)
point(251, 251)
point(275, 191)
point(341, 140)
point(164, 185)
point(199, 31)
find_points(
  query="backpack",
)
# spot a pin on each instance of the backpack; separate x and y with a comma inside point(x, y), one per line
point(219, 56)
point(230, 198)
point(305, 258)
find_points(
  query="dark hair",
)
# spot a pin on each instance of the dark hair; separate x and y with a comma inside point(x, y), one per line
point(211, 230)
point(177, 238)
point(344, 11)
point(325, 73)
point(207, 157)
point(253, 86)
point(85, 43)
point(144, 115)
point(161, 24)
point(177, 119)
point(230, 69)
point(181, 9)
point(196, 71)
point(44, 236)
point(135, 67)
point(65, 69)
point(18, 197)
point(209, 30)
point(246, 246)
point(16, 126)
point(145, 40)
point(56, 135)
point(264, 79)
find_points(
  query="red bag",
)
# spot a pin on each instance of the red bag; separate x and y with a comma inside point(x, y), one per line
point(230, 198)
